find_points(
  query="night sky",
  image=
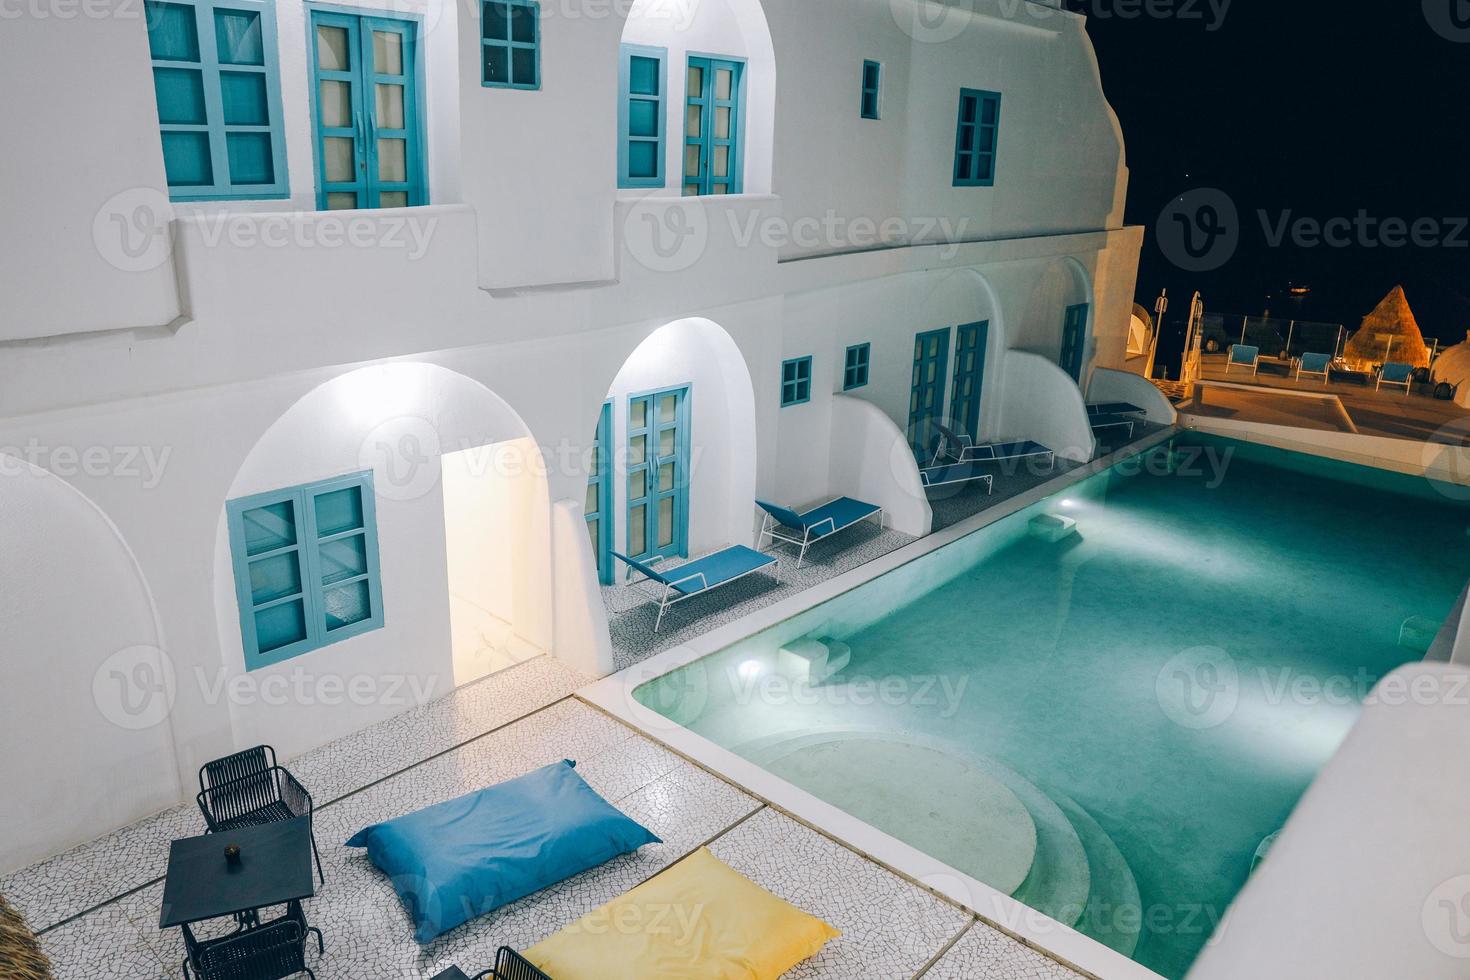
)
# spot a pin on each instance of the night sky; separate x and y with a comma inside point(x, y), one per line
point(1324, 109)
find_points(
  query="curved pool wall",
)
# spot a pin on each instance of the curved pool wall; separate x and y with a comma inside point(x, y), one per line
point(1158, 689)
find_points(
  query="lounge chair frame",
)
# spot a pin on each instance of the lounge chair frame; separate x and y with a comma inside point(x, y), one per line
point(666, 591)
point(963, 449)
point(932, 477)
point(1100, 422)
point(811, 533)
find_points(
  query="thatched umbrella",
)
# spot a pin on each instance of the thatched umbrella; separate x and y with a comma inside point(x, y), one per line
point(1389, 333)
point(20, 954)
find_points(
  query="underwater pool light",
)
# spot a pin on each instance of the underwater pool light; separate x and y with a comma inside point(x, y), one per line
point(750, 669)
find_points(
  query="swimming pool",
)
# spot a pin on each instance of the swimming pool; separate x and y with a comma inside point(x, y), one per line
point(1109, 719)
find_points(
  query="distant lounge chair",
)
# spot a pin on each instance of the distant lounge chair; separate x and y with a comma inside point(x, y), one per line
point(696, 577)
point(952, 474)
point(962, 449)
point(1394, 373)
point(814, 525)
point(1115, 408)
point(1245, 357)
point(1101, 422)
point(1314, 365)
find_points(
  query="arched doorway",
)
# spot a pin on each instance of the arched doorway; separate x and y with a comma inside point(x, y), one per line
point(1058, 320)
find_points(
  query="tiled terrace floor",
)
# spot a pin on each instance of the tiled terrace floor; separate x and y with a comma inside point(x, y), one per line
point(97, 906)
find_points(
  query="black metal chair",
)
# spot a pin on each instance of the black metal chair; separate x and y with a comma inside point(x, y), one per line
point(509, 965)
point(270, 952)
point(248, 789)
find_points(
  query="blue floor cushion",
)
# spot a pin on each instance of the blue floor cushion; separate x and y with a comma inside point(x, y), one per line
point(460, 859)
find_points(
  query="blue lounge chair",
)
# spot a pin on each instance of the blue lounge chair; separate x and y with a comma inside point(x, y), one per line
point(952, 474)
point(1244, 357)
point(1394, 373)
point(962, 449)
point(697, 577)
point(814, 525)
point(1115, 408)
point(1314, 365)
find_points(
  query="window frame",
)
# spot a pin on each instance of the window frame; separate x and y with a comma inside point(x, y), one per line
point(626, 54)
point(215, 129)
point(981, 98)
point(873, 90)
point(307, 547)
point(511, 45)
point(796, 390)
point(707, 101)
point(856, 366)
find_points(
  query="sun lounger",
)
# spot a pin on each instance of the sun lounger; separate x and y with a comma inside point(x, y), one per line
point(814, 525)
point(962, 449)
point(1314, 365)
point(1243, 356)
point(695, 578)
point(1115, 408)
point(953, 474)
point(1101, 422)
point(1395, 374)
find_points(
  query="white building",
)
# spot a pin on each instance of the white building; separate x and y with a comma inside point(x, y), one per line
point(192, 339)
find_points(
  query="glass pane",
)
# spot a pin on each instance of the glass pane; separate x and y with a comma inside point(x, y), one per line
point(332, 50)
point(722, 161)
point(638, 531)
point(269, 528)
point(387, 52)
point(962, 168)
point(967, 139)
point(347, 605)
point(523, 66)
point(691, 190)
point(984, 168)
point(392, 160)
point(280, 625)
point(694, 121)
point(390, 106)
point(724, 83)
point(637, 485)
point(638, 414)
point(666, 442)
point(338, 511)
point(967, 109)
point(497, 64)
point(237, 37)
point(666, 477)
point(341, 201)
point(594, 531)
point(691, 161)
point(870, 105)
point(186, 161)
point(668, 408)
point(393, 199)
point(637, 450)
point(989, 112)
point(643, 159)
point(643, 75)
point(340, 164)
point(180, 94)
point(495, 21)
point(695, 85)
point(594, 497)
point(250, 158)
point(870, 75)
point(344, 558)
point(274, 578)
point(666, 522)
point(173, 34)
point(523, 23)
point(335, 104)
point(722, 123)
point(243, 95)
point(642, 118)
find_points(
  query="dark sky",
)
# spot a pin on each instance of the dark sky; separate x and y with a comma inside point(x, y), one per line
point(1322, 108)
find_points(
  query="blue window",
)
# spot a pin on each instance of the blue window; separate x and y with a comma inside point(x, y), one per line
point(658, 474)
point(976, 140)
point(872, 88)
point(969, 377)
point(510, 44)
point(1074, 341)
point(306, 567)
point(365, 97)
point(643, 82)
point(855, 369)
point(796, 381)
point(926, 399)
point(714, 127)
point(598, 506)
point(217, 80)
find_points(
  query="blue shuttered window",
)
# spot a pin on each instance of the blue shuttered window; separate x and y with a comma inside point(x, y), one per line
point(510, 44)
point(217, 81)
point(643, 84)
point(714, 127)
point(306, 567)
point(658, 469)
point(796, 381)
point(855, 367)
point(976, 139)
point(872, 88)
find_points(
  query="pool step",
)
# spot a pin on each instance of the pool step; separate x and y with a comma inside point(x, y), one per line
point(1060, 878)
point(1114, 907)
point(814, 660)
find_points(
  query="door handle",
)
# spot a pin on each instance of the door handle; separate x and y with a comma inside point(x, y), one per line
point(361, 142)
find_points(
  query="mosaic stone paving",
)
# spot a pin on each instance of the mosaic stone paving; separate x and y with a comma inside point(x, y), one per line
point(984, 953)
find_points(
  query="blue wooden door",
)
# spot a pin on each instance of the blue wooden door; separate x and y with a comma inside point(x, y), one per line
point(368, 150)
point(598, 506)
point(969, 377)
point(713, 127)
point(658, 474)
point(926, 401)
point(1074, 341)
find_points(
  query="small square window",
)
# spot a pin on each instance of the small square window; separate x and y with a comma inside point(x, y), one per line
point(976, 139)
point(796, 381)
point(855, 369)
point(510, 36)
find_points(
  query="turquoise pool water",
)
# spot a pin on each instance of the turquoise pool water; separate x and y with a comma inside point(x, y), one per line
point(1109, 725)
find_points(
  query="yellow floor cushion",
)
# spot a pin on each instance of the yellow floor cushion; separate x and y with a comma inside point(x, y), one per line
point(699, 920)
